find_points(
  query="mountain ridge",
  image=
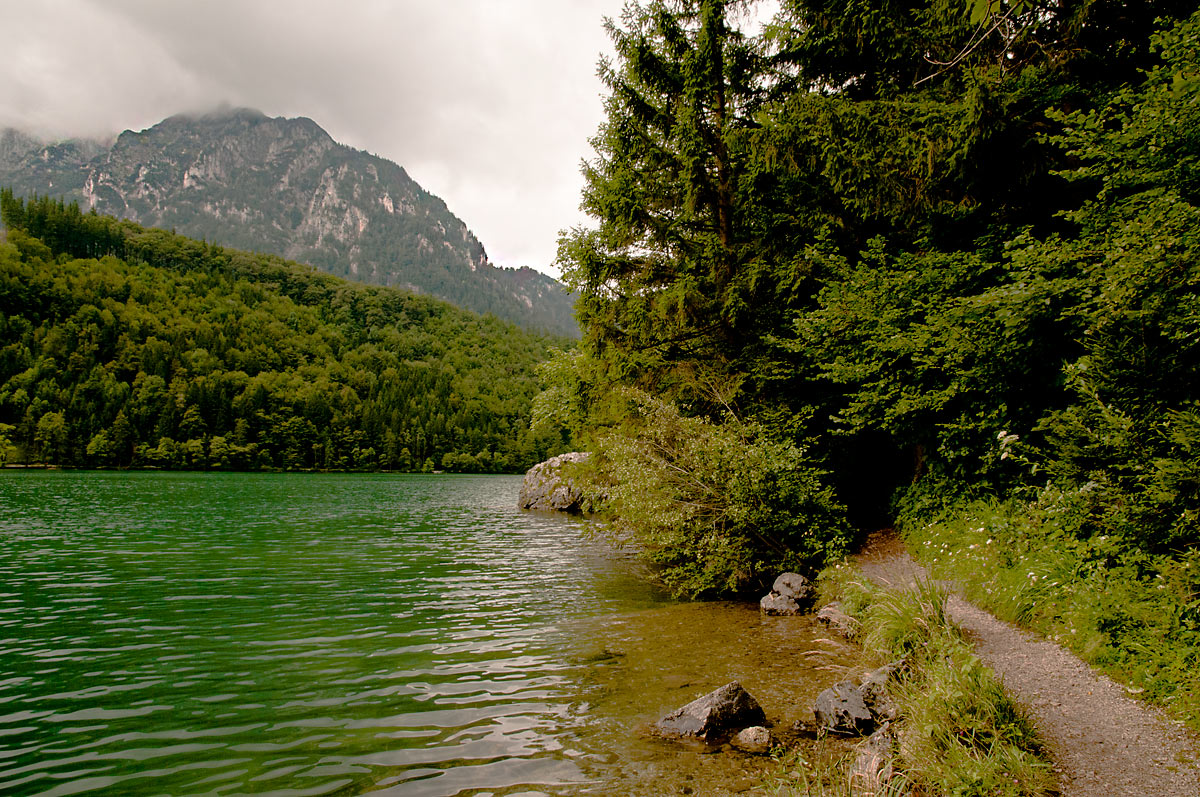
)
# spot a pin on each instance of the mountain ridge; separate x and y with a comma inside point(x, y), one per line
point(240, 178)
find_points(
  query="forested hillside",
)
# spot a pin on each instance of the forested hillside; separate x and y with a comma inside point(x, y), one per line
point(885, 258)
point(125, 346)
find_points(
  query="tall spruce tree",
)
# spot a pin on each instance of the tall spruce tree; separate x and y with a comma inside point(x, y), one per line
point(662, 278)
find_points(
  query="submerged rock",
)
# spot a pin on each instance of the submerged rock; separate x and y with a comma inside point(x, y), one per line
point(841, 709)
point(547, 486)
point(831, 614)
point(755, 739)
point(790, 594)
point(719, 712)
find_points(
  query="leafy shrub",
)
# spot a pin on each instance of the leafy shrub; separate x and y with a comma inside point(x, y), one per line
point(720, 507)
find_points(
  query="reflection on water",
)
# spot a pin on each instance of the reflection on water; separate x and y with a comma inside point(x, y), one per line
point(304, 634)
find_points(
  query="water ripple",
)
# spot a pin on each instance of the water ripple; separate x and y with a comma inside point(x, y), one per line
point(184, 633)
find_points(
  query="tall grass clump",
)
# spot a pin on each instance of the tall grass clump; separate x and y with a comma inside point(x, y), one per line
point(824, 776)
point(958, 733)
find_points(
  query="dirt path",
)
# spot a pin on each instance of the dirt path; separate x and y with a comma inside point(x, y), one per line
point(1102, 742)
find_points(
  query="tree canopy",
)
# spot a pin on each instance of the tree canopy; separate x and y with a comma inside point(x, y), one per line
point(942, 248)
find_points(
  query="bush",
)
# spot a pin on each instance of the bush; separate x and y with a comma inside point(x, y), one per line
point(720, 507)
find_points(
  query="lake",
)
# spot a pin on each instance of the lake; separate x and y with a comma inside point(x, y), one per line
point(311, 634)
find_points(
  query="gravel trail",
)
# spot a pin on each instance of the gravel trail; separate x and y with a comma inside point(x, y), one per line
point(1101, 742)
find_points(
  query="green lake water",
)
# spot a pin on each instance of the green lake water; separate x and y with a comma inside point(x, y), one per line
point(300, 634)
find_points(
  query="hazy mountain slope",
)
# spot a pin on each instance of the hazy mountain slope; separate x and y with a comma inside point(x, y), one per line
point(283, 186)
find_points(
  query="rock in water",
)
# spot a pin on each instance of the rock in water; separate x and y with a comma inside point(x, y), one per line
point(778, 605)
point(790, 594)
point(794, 586)
point(721, 711)
point(546, 486)
point(755, 739)
point(841, 709)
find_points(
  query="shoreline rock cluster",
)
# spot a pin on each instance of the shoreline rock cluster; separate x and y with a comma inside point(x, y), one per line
point(865, 708)
point(730, 714)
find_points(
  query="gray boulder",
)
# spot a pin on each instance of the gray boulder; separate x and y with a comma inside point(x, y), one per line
point(794, 586)
point(717, 713)
point(791, 594)
point(841, 709)
point(876, 691)
point(548, 486)
point(838, 621)
point(755, 739)
point(778, 605)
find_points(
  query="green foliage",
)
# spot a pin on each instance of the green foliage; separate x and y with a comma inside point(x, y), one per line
point(1129, 429)
point(561, 402)
point(123, 346)
point(949, 247)
point(720, 507)
point(1134, 614)
point(660, 279)
point(7, 449)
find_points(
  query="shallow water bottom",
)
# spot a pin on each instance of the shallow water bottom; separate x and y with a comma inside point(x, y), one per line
point(645, 664)
point(628, 670)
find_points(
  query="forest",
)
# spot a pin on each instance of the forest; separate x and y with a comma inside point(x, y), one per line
point(929, 264)
point(122, 346)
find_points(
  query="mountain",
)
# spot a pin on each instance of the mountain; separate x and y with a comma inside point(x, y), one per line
point(284, 186)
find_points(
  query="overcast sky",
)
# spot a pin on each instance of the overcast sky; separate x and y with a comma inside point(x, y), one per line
point(487, 103)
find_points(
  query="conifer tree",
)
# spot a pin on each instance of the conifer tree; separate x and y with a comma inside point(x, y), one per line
point(662, 277)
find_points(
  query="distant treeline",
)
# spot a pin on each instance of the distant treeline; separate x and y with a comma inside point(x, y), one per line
point(125, 346)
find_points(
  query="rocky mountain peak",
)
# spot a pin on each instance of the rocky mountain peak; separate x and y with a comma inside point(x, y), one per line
point(240, 178)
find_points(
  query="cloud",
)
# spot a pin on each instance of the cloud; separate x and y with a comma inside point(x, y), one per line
point(488, 105)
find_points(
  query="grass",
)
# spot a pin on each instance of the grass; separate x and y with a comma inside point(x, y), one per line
point(799, 776)
point(958, 732)
point(1134, 615)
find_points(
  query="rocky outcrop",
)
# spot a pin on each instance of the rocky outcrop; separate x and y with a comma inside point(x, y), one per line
point(283, 186)
point(791, 594)
point(550, 485)
point(718, 713)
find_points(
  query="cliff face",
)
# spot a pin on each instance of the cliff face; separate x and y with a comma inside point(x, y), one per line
point(242, 179)
point(30, 166)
